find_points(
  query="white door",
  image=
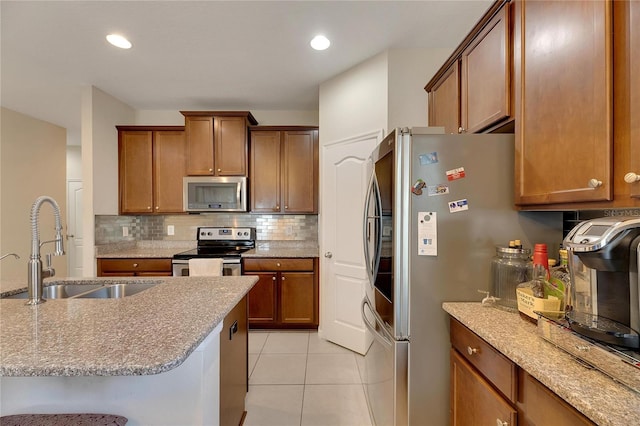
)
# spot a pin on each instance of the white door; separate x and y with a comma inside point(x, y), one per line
point(346, 168)
point(74, 228)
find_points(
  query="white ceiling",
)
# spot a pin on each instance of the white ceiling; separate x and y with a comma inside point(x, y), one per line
point(204, 55)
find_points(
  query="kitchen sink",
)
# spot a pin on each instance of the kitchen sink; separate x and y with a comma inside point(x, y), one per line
point(97, 291)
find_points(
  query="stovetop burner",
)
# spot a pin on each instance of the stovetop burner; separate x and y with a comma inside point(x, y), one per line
point(221, 242)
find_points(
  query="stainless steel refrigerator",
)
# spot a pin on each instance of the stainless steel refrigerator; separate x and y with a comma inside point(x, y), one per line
point(436, 208)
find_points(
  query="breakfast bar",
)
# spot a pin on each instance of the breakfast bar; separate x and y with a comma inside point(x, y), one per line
point(153, 357)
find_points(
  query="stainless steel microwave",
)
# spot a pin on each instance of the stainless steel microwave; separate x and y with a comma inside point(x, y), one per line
point(215, 194)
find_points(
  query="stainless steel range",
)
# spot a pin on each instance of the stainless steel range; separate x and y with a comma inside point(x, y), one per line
point(227, 244)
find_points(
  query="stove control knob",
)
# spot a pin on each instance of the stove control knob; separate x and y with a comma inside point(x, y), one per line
point(239, 233)
point(209, 233)
point(246, 233)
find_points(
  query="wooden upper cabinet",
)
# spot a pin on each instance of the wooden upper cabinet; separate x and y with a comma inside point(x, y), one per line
point(284, 169)
point(217, 142)
point(634, 91)
point(300, 171)
point(563, 101)
point(169, 169)
point(151, 166)
point(265, 171)
point(472, 91)
point(444, 101)
point(135, 158)
point(486, 76)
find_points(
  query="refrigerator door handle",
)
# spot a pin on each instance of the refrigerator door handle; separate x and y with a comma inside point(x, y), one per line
point(372, 268)
point(385, 337)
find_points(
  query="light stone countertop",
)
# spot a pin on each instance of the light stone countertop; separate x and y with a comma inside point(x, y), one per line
point(146, 333)
point(166, 249)
point(600, 398)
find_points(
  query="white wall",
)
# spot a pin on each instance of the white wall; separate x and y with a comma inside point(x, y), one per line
point(32, 164)
point(264, 117)
point(355, 102)
point(409, 71)
point(101, 112)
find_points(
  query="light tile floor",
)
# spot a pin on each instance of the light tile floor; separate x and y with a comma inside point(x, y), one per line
point(297, 378)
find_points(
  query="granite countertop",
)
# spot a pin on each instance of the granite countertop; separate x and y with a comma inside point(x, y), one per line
point(600, 398)
point(146, 333)
point(166, 249)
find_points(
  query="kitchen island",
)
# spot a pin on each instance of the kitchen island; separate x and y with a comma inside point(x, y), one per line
point(152, 357)
point(600, 398)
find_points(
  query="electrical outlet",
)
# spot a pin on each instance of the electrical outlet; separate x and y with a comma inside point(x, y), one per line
point(125, 231)
point(171, 230)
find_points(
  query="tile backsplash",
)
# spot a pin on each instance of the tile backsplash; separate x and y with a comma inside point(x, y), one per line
point(110, 229)
point(571, 218)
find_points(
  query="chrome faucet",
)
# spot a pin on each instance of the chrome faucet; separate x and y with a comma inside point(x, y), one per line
point(36, 272)
point(9, 254)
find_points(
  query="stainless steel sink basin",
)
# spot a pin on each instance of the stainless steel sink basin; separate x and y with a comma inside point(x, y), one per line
point(94, 291)
point(116, 291)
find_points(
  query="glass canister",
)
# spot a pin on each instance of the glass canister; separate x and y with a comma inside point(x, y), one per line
point(509, 267)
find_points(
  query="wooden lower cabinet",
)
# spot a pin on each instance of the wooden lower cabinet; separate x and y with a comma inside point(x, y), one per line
point(134, 267)
point(286, 295)
point(234, 378)
point(473, 400)
point(489, 389)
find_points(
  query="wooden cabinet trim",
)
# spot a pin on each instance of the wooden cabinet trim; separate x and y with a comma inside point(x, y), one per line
point(247, 114)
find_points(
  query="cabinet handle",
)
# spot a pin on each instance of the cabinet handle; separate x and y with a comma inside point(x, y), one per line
point(501, 423)
point(135, 265)
point(594, 183)
point(631, 177)
point(471, 350)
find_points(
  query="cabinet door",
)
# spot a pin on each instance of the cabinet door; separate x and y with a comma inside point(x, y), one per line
point(169, 169)
point(564, 101)
point(300, 172)
point(473, 400)
point(634, 93)
point(444, 101)
point(233, 365)
point(262, 299)
point(486, 76)
point(199, 136)
point(297, 298)
point(136, 171)
point(230, 146)
point(265, 171)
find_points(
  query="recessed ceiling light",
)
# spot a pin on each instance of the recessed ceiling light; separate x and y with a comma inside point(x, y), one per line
point(320, 42)
point(119, 41)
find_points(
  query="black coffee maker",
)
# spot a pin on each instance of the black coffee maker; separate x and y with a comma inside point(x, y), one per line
point(604, 301)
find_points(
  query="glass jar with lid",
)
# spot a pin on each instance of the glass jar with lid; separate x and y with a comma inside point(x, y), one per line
point(510, 267)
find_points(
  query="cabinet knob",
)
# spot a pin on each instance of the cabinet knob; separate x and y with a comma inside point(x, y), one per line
point(157, 207)
point(135, 265)
point(286, 207)
point(273, 278)
point(278, 264)
point(282, 278)
point(594, 183)
point(148, 207)
point(219, 170)
point(631, 177)
point(328, 255)
point(461, 130)
point(211, 170)
point(277, 208)
point(471, 350)
point(501, 423)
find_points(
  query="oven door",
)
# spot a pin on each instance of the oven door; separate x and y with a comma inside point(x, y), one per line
point(230, 267)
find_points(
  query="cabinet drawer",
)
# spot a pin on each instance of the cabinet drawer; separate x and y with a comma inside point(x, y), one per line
point(134, 264)
point(497, 368)
point(272, 264)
